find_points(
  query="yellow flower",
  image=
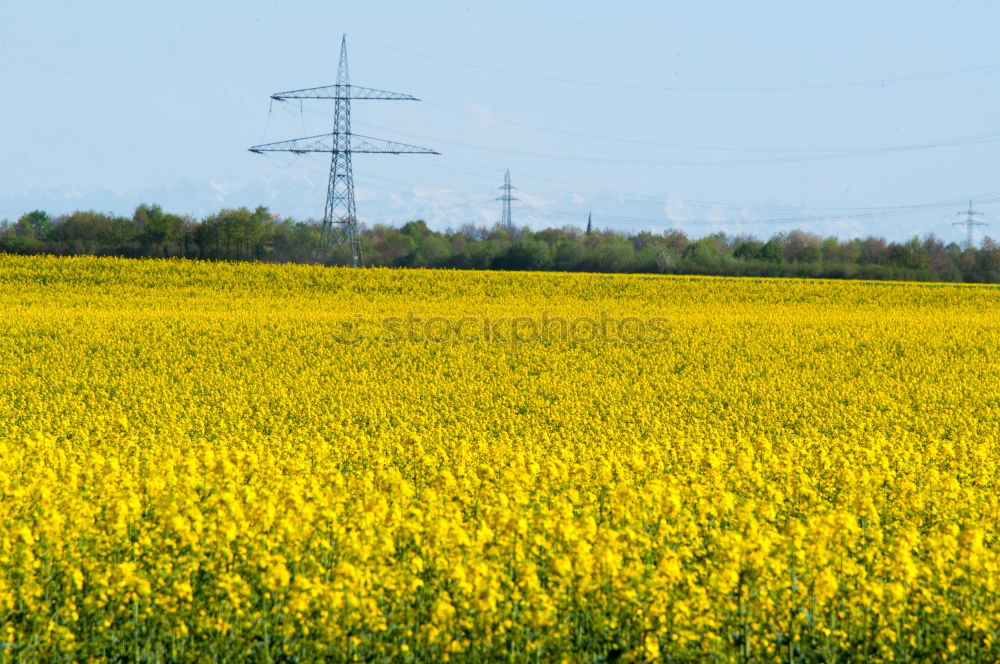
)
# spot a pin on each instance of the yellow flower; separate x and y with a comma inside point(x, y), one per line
point(796, 462)
point(651, 647)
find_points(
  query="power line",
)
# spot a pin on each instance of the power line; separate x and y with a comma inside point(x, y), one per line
point(990, 137)
point(844, 213)
point(559, 213)
point(854, 151)
point(993, 135)
point(986, 197)
point(668, 88)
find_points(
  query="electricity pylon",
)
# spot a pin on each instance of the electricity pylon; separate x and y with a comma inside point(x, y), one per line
point(970, 223)
point(505, 218)
point(340, 209)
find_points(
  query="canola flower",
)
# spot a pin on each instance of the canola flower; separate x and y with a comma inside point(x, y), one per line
point(195, 468)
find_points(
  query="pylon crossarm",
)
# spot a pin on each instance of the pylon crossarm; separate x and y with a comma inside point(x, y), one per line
point(371, 145)
point(326, 143)
point(341, 92)
point(321, 143)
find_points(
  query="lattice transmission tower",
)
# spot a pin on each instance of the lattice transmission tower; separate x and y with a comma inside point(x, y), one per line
point(340, 212)
point(970, 224)
point(505, 217)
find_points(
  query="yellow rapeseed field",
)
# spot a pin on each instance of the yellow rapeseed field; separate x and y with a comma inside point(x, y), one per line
point(225, 463)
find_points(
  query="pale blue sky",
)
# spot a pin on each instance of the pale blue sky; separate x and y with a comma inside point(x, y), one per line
point(108, 104)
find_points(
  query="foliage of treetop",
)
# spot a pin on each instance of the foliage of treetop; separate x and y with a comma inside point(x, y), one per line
point(257, 235)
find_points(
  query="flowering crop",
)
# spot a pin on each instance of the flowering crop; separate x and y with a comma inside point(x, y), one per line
point(195, 467)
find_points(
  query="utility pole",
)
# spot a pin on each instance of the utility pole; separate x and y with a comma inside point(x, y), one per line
point(970, 223)
point(505, 218)
point(340, 209)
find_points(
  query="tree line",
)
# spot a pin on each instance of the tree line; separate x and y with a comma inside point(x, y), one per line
point(257, 235)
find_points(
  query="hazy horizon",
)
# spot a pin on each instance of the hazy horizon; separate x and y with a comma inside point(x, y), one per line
point(726, 118)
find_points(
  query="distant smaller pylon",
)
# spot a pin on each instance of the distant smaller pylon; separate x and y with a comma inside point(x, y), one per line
point(970, 224)
point(505, 217)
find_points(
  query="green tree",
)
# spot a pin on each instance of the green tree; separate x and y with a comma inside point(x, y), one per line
point(612, 253)
point(747, 249)
point(35, 224)
point(156, 230)
point(432, 251)
point(771, 252)
point(528, 253)
point(910, 255)
point(567, 254)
